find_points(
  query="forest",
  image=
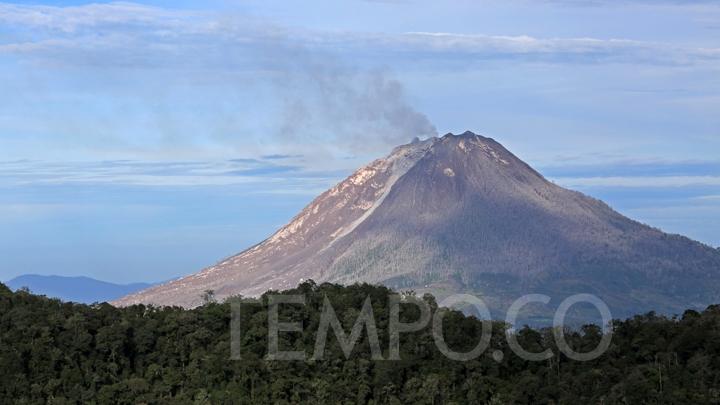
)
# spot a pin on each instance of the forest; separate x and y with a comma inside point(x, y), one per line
point(54, 352)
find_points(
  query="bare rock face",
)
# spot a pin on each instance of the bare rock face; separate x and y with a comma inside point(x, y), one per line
point(462, 214)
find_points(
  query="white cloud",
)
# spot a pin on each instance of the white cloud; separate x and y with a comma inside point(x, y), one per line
point(628, 2)
point(33, 211)
point(585, 50)
point(445, 41)
point(73, 18)
point(140, 29)
point(264, 177)
point(638, 182)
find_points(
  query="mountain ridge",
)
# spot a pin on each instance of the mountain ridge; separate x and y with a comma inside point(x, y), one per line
point(81, 289)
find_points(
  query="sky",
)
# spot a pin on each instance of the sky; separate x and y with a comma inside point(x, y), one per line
point(141, 141)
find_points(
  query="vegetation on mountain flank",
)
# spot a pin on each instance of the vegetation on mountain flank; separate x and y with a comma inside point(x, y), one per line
point(64, 353)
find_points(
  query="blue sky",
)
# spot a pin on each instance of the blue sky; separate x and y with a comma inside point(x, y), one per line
point(141, 141)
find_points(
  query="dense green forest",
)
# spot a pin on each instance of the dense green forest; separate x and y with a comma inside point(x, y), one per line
point(63, 353)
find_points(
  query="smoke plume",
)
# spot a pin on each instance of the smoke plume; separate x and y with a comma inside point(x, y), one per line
point(357, 109)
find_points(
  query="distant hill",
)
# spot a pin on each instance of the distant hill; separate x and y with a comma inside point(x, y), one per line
point(461, 214)
point(77, 289)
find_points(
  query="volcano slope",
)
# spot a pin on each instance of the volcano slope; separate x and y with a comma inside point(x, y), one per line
point(461, 214)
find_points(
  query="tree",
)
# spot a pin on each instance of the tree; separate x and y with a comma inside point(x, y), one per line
point(208, 296)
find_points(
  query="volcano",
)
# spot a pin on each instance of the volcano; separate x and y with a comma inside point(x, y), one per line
point(460, 213)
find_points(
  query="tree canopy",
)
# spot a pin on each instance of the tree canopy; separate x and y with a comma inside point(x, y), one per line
point(65, 353)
